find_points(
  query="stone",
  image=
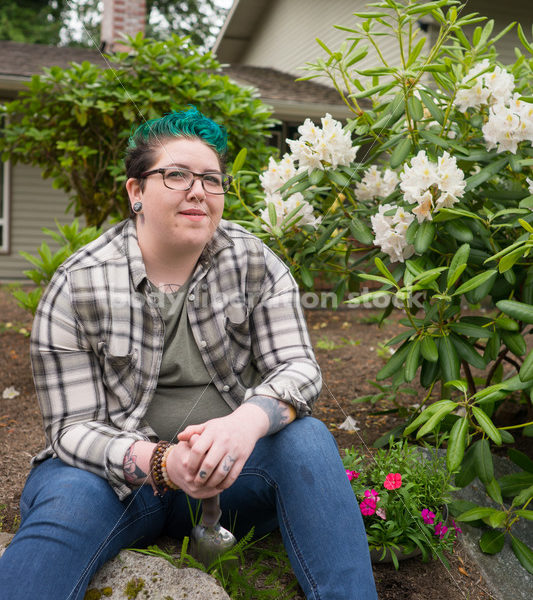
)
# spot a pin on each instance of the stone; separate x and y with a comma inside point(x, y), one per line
point(135, 576)
point(503, 574)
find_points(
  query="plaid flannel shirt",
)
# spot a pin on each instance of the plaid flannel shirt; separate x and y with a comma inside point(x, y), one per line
point(97, 342)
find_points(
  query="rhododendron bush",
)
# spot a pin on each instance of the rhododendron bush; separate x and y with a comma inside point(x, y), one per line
point(425, 196)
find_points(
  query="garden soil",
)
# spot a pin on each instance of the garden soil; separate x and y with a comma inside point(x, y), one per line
point(348, 345)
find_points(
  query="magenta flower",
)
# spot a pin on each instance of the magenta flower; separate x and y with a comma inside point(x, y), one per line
point(372, 494)
point(455, 526)
point(393, 481)
point(351, 474)
point(368, 506)
point(440, 529)
point(380, 512)
point(428, 516)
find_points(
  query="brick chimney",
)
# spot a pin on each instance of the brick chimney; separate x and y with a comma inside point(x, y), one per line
point(121, 17)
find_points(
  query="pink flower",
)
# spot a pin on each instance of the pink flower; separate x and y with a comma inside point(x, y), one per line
point(380, 512)
point(372, 494)
point(393, 481)
point(428, 516)
point(440, 529)
point(351, 474)
point(455, 526)
point(368, 506)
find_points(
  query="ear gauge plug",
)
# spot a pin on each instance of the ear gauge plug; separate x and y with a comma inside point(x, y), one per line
point(137, 207)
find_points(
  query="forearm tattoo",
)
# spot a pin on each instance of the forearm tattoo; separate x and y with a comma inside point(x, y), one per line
point(133, 474)
point(279, 413)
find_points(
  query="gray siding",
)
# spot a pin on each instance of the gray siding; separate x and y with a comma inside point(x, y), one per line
point(504, 12)
point(34, 205)
point(285, 39)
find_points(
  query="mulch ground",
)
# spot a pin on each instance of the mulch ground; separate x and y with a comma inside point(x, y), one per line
point(348, 347)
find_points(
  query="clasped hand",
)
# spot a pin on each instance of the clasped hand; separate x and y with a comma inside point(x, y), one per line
point(210, 456)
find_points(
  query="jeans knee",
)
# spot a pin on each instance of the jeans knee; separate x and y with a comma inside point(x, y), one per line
point(308, 439)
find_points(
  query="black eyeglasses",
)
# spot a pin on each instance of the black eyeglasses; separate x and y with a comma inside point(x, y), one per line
point(181, 179)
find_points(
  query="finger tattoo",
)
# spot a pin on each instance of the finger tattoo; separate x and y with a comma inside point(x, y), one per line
point(228, 463)
point(202, 474)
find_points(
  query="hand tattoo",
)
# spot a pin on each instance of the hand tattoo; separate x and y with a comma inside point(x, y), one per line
point(228, 463)
point(279, 413)
point(202, 474)
point(132, 472)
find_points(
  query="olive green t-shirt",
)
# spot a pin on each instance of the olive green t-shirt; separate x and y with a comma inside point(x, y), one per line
point(184, 394)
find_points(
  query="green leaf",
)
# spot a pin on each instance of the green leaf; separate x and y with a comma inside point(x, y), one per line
point(458, 264)
point(412, 361)
point(434, 110)
point(483, 461)
point(487, 425)
point(494, 491)
point(521, 459)
point(486, 173)
point(400, 152)
point(513, 484)
point(381, 266)
point(436, 418)
point(523, 497)
point(448, 359)
point(457, 444)
point(492, 541)
point(429, 349)
point(361, 232)
point(467, 352)
point(239, 161)
point(424, 237)
point(526, 369)
point(480, 512)
point(517, 310)
point(525, 514)
point(371, 296)
point(523, 553)
point(475, 282)
point(394, 363)
point(426, 414)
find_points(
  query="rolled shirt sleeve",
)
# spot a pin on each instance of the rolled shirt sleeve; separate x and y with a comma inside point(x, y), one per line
point(71, 395)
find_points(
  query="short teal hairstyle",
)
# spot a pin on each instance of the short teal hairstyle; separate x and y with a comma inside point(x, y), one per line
point(185, 123)
point(146, 140)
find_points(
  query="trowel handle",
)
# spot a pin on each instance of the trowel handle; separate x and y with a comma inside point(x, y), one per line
point(211, 512)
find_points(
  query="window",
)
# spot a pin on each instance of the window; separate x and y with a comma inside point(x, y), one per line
point(4, 208)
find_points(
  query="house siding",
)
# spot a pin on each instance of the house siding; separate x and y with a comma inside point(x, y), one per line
point(504, 13)
point(34, 204)
point(286, 37)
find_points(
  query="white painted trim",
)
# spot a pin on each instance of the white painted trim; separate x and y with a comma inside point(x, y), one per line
point(5, 221)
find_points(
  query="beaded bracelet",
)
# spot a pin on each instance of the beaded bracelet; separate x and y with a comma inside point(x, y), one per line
point(158, 481)
point(166, 477)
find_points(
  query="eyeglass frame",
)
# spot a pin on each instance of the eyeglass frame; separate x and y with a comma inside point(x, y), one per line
point(163, 170)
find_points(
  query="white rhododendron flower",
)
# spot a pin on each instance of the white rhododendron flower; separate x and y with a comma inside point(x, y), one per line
point(389, 231)
point(304, 216)
point(277, 174)
point(530, 184)
point(507, 126)
point(494, 87)
point(430, 185)
point(375, 185)
point(321, 147)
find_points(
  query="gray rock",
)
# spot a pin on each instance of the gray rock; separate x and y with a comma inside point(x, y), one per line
point(503, 574)
point(134, 575)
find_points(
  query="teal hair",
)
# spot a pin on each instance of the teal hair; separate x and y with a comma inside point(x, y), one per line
point(189, 123)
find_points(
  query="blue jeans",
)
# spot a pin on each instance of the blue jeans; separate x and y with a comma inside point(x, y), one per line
point(72, 522)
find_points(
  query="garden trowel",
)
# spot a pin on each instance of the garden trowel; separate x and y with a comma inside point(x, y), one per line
point(209, 539)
